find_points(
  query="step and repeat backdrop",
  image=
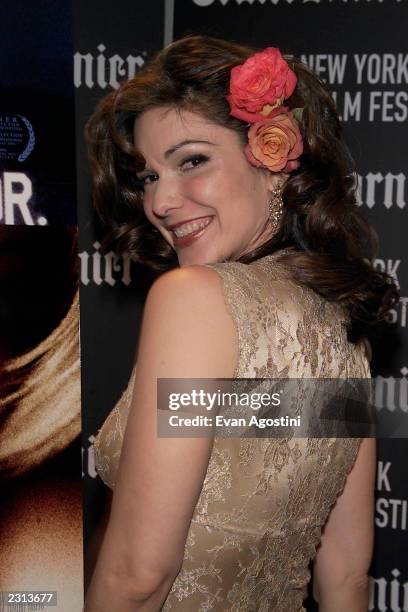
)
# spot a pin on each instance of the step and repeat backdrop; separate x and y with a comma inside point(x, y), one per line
point(359, 48)
point(69, 56)
point(41, 540)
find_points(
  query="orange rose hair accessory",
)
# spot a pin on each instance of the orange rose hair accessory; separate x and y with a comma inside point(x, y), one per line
point(275, 143)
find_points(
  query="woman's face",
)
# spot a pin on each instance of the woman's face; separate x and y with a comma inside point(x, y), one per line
point(198, 179)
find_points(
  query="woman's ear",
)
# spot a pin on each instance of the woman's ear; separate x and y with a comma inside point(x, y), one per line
point(275, 179)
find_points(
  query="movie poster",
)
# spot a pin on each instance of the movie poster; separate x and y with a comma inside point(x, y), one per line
point(41, 560)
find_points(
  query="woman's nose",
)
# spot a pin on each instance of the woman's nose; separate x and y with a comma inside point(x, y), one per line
point(167, 196)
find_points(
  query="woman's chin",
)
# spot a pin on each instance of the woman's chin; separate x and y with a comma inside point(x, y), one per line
point(194, 259)
point(185, 260)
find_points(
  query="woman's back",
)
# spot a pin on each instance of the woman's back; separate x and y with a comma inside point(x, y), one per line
point(263, 503)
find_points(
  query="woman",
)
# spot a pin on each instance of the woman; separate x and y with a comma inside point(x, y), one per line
point(226, 169)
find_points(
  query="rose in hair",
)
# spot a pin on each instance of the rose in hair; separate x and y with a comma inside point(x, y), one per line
point(275, 143)
point(260, 85)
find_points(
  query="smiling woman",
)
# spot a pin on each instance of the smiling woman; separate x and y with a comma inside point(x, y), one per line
point(184, 196)
point(226, 169)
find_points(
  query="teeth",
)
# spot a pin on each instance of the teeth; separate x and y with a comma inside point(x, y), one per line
point(189, 228)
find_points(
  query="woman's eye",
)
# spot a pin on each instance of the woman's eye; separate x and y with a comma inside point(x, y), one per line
point(193, 161)
point(187, 164)
point(146, 180)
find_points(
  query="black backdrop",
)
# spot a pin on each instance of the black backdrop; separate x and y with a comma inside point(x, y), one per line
point(360, 48)
point(37, 122)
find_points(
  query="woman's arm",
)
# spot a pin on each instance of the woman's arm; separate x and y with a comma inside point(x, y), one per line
point(186, 333)
point(343, 559)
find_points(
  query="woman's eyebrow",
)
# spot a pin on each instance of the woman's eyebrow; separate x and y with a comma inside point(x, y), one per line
point(171, 150)
point(182, 143)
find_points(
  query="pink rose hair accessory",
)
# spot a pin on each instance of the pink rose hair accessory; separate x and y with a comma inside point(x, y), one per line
point(259, 85)
point(258, 88)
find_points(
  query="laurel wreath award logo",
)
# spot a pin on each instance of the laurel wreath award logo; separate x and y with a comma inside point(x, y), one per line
point(17, 138)
point(31, 140)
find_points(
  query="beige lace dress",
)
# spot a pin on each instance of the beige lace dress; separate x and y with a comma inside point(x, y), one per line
point(264, 501)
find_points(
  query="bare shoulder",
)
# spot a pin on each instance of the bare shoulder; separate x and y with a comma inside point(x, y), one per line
point(186, 312)
point(189, 283)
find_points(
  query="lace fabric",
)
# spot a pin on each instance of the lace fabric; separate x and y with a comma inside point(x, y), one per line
point(264, 502)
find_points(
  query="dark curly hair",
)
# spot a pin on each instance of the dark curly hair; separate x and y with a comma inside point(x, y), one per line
point(333, 244)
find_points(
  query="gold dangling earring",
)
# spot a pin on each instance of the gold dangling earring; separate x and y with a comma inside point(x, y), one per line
point(275, 206)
